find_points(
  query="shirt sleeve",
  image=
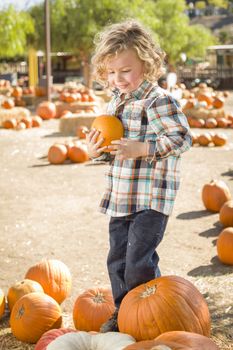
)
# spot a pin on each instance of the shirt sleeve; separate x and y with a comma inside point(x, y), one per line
point(170, 125)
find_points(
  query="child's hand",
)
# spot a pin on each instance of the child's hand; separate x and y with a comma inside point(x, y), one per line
point(126, 149)
point(93, 147)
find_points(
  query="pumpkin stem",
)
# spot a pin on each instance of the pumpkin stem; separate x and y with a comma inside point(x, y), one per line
point(20, 312)
point(149, 291)
point(98, 298)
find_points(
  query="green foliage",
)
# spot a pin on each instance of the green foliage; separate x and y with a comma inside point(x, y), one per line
point(14, 30)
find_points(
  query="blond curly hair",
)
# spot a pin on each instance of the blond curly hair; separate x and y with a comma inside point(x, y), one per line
point(127, 35)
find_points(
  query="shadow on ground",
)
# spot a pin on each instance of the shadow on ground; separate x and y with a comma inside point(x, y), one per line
point(215, 268)
point(228, 173)
point(194, 214)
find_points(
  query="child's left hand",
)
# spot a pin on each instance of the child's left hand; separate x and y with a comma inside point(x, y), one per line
point(126, 149)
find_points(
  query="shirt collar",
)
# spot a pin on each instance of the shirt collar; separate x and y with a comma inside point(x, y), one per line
point(140, 93)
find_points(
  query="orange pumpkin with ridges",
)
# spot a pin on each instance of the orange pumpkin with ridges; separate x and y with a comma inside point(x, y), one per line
point(219, 139)
point(148, 310)
point(92, 308)
point(54, 276)
point(225, 246)
point(110, 128)
point(226, 214)
point(18, 289)
point(175, 340)
point(215, 194)
point(46, 110)
point(78, 153)
point(34, 314)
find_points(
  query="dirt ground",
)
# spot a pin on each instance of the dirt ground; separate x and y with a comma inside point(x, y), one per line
point(52, 211)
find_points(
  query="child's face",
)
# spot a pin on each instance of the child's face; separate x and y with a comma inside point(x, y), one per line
point(125, 71)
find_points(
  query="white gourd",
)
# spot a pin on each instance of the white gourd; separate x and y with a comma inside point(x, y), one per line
point(91, 341)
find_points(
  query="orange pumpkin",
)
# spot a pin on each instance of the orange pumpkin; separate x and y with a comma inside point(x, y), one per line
point(222, 122)
point(81, 131)
point(46, 110)
point(9, 123)
point(27, 121)
point(34, 314)
point(148, 310)
point(92, 308)
point(211, 123)
point(57, 154)
point(2, 303)
point(8, 104)
point(226, 214)
point(218, 102)
point(49, 336)
point(78, 153)
point(17, 92)
point(110, 128)
point(175, 340)
point(54, 276)
point(205, 139)
point(219, 139)
point(205, 96)
point(225, 246)
point(36, 121)
point(17, 290)
point(215, 194)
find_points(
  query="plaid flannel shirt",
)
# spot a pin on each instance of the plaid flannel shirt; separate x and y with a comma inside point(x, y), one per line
point(149, 114)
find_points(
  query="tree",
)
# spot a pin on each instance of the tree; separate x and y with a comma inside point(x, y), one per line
point(14, 31)
point(175, 33)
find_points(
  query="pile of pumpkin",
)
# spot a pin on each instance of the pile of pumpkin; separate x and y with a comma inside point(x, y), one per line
point(26, 122)
point(209, 139)
point(165, 313)
point(217, 198)
point(204, 107)
point(72, 92)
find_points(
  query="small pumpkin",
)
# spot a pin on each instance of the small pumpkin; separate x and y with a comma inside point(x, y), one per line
point(57, 153)
point(78, 153)
point(84, 340)
point(9, 123)
point(27, 121)
point(46, 110)
point(226, 214)
point(17, 92)
point(18, 289)
point(219, 139)
point(51, 335)
point(92, 308)
point(218, 102)
point(205, 96)
point(215, 194)
point(225, 246)
point(54, 276)
point(211, 123)
point(36, 121)
point(205, 139)
point(81, 131)
point(175, 340)
point(8, 103)
point(2, 303)
point(145, 312)
point(110, 128)
point(32, 315)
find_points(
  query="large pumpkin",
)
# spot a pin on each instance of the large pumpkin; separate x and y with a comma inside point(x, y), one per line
point(18, 289)
point(226, 214)
point(46, 110)
point(215, 194)
point(175, 340)
point(110, 128)
point(88, 341)
point(92, 308)
point(225, 246)
point(164, 304)
point(54, 276)
point(2, 303)
point(49, 336)
point(34, 314)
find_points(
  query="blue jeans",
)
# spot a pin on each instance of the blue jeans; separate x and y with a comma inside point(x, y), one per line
point(132, 259)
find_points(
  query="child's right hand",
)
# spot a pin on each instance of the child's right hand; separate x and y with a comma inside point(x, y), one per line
point(93, 146)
